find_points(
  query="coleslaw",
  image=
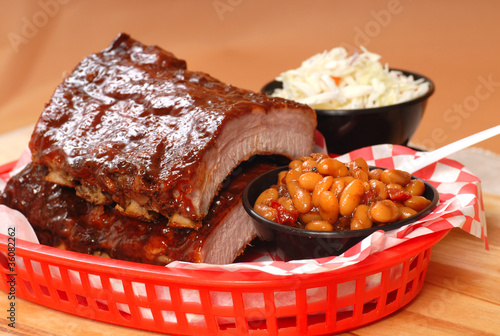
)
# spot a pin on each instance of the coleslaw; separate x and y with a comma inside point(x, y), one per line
point(334, 80)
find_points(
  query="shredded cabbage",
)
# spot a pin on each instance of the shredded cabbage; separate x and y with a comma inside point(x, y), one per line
point(334, 80)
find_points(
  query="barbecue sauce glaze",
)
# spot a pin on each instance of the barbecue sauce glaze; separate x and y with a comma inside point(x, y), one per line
point(62, 219)
point(134, 122)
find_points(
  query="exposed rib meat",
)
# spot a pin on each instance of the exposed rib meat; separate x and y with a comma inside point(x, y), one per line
point(62, 219)
point(132, 126)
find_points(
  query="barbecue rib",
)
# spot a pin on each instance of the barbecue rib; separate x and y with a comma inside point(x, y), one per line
point(132, 127)
point(62, 219)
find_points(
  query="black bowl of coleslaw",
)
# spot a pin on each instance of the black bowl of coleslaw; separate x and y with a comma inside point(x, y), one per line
point(349, 129)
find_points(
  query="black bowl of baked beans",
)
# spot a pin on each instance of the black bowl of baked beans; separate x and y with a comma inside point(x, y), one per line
point(349, 129)
point(318, 206)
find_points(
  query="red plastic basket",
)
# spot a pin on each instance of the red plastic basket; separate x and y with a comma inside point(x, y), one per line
point(208, 302)
point(195, 302)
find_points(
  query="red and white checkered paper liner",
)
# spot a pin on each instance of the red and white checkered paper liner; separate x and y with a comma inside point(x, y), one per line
point(460, 205)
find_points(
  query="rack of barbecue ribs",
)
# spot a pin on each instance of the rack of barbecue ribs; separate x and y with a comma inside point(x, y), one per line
point(131, 127)
point(136, 157)
point(62, 219)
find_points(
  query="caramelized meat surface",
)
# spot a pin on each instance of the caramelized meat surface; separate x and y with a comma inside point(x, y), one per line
point(131, 127)
point(62, 219)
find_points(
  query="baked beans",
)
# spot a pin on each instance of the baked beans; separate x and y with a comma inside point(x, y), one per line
point(321, 193)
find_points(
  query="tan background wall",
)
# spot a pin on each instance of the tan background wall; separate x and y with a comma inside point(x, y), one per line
point(247, 43)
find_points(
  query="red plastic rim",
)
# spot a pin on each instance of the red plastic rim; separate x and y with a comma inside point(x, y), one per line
point(207, 302)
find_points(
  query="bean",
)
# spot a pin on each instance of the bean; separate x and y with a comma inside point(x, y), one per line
point(301, 198)
point(319, 156)
point(374, 174)
point(329, 217)
point(287, 203)
point(266, 196)
point(406, 212)
point(292, 175)
point(309, 166)
point(355, 224)
point(322, 185)
point(319, 225)
point(338, 186)
point(360, 218)
point(310, 216)
point(332, 167)
point(281, 177)
point(351, 197)
point(358, 163)
point(329, 206)
point(384, 211)
point(62, 246)
point(328, 202)
point(417, 203)
point(395, 176)
point(379, 189)
point(416, 187)
point(359, 174)
point(295, 164)
point(347, 179)
point(309, 180)
point(366, 185)
point(266, 211)
point(395, 186)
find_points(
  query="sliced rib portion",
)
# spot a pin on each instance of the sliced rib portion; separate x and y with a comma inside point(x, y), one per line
point(62, 219)
point(132, 127)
